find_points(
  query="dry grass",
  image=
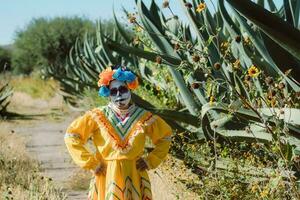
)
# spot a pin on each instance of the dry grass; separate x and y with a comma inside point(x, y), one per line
point(20, 176)
point(35, 86)
point(80, 180)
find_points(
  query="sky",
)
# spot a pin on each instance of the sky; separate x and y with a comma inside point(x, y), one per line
point(16, 14)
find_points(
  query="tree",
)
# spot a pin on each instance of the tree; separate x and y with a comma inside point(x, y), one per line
point(5, 59)
point(47, 42)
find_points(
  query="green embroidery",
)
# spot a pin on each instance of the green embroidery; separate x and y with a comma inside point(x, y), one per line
point(127, 189)
point(123, 129)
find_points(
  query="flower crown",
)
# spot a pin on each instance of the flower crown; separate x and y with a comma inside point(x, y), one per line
point(121, 74)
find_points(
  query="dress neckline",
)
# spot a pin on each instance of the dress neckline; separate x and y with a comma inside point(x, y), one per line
point(123, 129)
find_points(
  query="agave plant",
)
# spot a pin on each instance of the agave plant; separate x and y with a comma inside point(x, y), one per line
point(5, 93)
point(235, 78)
point(211, 60)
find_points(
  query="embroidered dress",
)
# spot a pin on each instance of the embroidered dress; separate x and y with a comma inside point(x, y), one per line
point(118, 144)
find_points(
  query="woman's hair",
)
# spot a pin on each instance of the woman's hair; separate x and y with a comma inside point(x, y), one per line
point(115, 67)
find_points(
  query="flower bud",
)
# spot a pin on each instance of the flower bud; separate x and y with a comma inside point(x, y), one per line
point(217, 66)
point(195, 85)
point(165, 4)
point(158, 59)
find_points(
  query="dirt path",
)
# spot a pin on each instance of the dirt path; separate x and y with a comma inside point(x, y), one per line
point(45, 142)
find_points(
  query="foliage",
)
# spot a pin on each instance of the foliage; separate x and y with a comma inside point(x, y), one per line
point(47, 41)
point(5, 93)
point(214, 65)
point(225, 71)
point(236, 171)
point(34, 85)
point(5, 59)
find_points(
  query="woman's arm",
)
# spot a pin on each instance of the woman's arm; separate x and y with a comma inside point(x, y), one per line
point(160, 133)
point(76, 136)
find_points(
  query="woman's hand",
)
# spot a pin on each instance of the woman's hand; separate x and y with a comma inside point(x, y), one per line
point(141, 164)
point(100, 169)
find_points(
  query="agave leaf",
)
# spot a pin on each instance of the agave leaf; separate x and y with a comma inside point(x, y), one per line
point(289, 115)
point(241, 87)
point(229, 165)
point(159, 39)
point(261, 3)
point(272, 6)
point(296, 12)
point(282, 58)
point(198, 92)
point(5, 93)
point(143, 54)
point(263, 51)
point(274, 27)
point(106, 51)
point(242, 135)
point(91, 55)
point(127, 37)
point(178, 116)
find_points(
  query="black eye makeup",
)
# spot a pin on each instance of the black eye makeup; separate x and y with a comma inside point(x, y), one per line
point(122, 89)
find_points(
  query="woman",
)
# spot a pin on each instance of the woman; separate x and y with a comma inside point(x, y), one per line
point(118, 130)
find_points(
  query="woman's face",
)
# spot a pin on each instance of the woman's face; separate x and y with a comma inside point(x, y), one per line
point(120, 95)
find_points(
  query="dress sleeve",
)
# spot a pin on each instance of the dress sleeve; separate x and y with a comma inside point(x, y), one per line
point(160, 133)
point(76, 136)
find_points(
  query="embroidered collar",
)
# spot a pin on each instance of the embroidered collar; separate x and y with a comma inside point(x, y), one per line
point(122, 113)
point(138, 119)
point(122, 128)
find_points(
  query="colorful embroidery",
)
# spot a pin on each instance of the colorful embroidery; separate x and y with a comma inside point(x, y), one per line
point(120, 140)
point(123, 129)
point(129, 191)
point(72, 135)
point(92, 189)
point(146, 189)
point(150, 120)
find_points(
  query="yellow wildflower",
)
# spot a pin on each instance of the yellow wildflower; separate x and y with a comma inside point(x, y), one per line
point(264, 193)
point(136, 40)
point(273, 102)
point(138, 29)
point(254, 187)
point(132, 18)
point(225, 44)
point(200, 7)
point(247, 40)
point(253, 71)
point(237, 64)
point(211, 100)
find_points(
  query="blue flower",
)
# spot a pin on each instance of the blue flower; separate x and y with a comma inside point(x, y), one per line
point(123, 75)
point(104, 91)
point(129, 76)
point(120, 75)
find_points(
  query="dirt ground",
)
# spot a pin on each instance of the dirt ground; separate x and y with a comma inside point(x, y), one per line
point(43, 124)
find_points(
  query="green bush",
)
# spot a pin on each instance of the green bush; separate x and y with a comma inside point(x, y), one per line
point(5, 59)
point(47, 42)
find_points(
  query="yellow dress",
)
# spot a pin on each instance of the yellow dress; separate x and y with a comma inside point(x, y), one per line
point(118, 145)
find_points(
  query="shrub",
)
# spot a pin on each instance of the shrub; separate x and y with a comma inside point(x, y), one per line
point(5, 58)
point(47, 42)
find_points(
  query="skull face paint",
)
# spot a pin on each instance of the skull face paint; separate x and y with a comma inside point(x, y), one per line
point(121, 100)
